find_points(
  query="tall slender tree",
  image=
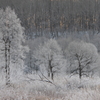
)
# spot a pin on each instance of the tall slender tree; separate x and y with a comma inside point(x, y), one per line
point(11, 33)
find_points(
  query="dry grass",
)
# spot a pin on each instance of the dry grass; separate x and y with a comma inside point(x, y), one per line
point(45, 91)
point(20, 93)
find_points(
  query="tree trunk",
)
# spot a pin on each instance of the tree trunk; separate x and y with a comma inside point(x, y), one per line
point(7, 68)
point(48, 74)
point(50, 68)
point(80, 71)
point(52, 75)
point(51, 72)
point(7, 62)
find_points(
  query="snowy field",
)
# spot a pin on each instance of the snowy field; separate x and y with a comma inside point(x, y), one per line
point(31, 87)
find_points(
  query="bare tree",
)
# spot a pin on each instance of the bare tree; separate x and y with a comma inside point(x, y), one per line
point(82, 56)
point(50, 56)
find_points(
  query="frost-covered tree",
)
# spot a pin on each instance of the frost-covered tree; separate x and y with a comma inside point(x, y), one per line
point(82, 57)
point(50, 55)
point(11, 37)
point(30, 60)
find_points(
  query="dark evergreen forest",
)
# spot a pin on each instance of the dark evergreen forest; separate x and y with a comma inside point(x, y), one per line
point(54, 16)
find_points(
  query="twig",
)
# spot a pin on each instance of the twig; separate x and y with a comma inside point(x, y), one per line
point(40, 80)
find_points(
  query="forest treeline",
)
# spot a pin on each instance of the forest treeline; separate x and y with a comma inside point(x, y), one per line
point(54, 16)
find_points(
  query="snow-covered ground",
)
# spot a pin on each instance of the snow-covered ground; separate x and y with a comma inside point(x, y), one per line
point(32, 87)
